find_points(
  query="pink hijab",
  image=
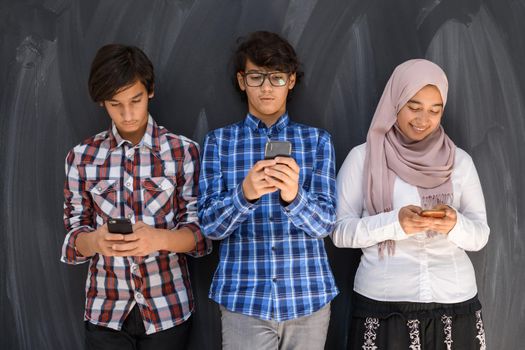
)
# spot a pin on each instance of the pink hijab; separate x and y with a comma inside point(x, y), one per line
point(426, 164)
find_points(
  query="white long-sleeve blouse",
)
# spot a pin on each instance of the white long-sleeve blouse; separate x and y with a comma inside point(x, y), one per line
point(423, 269)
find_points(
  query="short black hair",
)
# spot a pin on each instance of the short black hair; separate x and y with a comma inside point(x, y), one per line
point(117, 66)
point(266, 49)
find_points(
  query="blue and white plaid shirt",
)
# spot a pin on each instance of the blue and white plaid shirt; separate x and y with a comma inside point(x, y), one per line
point(273, 263)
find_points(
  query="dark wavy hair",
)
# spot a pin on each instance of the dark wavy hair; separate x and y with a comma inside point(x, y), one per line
point(117, 66)
point(266, 49)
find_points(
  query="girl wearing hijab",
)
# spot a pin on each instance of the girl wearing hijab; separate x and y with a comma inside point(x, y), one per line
point(415, 287)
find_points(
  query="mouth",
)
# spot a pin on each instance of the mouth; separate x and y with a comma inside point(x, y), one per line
point(418, 128)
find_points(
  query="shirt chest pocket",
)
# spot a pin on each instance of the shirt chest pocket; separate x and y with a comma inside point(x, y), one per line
point(105, 196)
point(157, 196)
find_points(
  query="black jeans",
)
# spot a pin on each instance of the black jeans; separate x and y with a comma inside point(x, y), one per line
point(133, 336)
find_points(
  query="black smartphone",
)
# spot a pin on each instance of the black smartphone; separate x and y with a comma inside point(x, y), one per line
point(277, 148)
point(122, 226)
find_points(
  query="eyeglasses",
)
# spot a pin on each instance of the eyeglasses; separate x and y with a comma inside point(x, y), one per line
point(256, 79)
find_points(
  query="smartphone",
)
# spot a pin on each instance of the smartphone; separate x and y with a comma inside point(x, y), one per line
point(434, 213)
point(277, 148)
point(122, 226)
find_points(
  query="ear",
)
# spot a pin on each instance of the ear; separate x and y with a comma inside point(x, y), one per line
point(291, 81)
point(152, 93)
point(240, 81)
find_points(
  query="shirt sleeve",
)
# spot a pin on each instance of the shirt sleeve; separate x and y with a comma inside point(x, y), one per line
point(221, 211)
point(352, 230)
point(313, 210)
point(78, 210)
point(471, 231)
point(187, 190)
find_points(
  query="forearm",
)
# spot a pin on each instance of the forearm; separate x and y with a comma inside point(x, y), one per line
point(221, 216)
point(351, 231)
point(314, 216)
point(85, 244)
point(178, 241)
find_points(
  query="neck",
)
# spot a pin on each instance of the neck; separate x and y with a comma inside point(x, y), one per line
point(268, 120)
point(134, 137)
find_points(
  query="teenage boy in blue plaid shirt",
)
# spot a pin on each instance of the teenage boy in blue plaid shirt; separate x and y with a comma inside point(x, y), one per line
point(273, 282)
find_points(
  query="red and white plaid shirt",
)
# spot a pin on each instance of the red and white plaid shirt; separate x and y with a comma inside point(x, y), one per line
point(155, 181)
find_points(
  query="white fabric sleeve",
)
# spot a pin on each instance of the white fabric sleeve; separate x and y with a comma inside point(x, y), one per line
point(352, 230)
point(471, 231)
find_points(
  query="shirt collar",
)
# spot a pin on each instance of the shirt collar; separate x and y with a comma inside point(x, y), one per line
point(255, 123)
point(150, 138)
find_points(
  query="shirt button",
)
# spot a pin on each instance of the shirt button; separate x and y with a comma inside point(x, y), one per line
point(134, 267)
point(139, 297)
point(274, 279)
point(99, 188)
point(273, 249)
point(130, 216)
point(128, 184)
point(271, 218)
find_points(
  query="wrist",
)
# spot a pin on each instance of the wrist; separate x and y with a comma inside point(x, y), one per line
point(162, 239)
point(246, 194)
point(85, 244)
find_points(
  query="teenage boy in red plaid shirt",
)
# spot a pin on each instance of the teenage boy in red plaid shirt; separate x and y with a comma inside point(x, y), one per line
point(138, 292)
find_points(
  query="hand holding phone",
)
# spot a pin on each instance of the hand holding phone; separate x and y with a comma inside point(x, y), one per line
point(122, 226)
point(274, 149)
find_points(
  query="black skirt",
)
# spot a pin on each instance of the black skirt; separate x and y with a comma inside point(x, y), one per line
point(378, 325)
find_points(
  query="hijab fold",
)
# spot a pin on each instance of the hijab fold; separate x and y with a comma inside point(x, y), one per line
point(427, 163)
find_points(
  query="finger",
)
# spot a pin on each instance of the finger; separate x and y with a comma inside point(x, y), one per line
point(276, 175)
point(113, 237)
point(267, 190)
point(278, 184)
point(124, 247)
point(130, 237)
point(285, 169)
point(414, 216)
point(261, 185)
point(414, 209)
point(254, 178)
point(262, 164)
point(289, 161)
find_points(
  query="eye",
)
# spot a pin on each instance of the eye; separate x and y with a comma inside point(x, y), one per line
point(435, 111)
point(136, 101)
point(254, 76)
point(114, 104)
point(278, 79)
point(414, 109)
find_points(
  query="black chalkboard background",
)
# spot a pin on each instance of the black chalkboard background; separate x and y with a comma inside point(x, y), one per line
point(349, 48)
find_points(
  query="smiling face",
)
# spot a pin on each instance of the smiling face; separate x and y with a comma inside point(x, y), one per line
point(266, 102)
point(421, 115)
point(128, 109)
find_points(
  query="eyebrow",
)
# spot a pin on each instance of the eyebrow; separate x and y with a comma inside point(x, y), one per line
point(419, 103)
point(262, 71)
point(134, 97)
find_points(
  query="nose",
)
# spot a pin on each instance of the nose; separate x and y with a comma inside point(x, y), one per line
point(126, 113)
point(266, 86)
point(422, 118)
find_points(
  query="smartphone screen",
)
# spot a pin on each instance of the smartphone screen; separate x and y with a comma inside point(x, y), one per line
point(434, 213)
